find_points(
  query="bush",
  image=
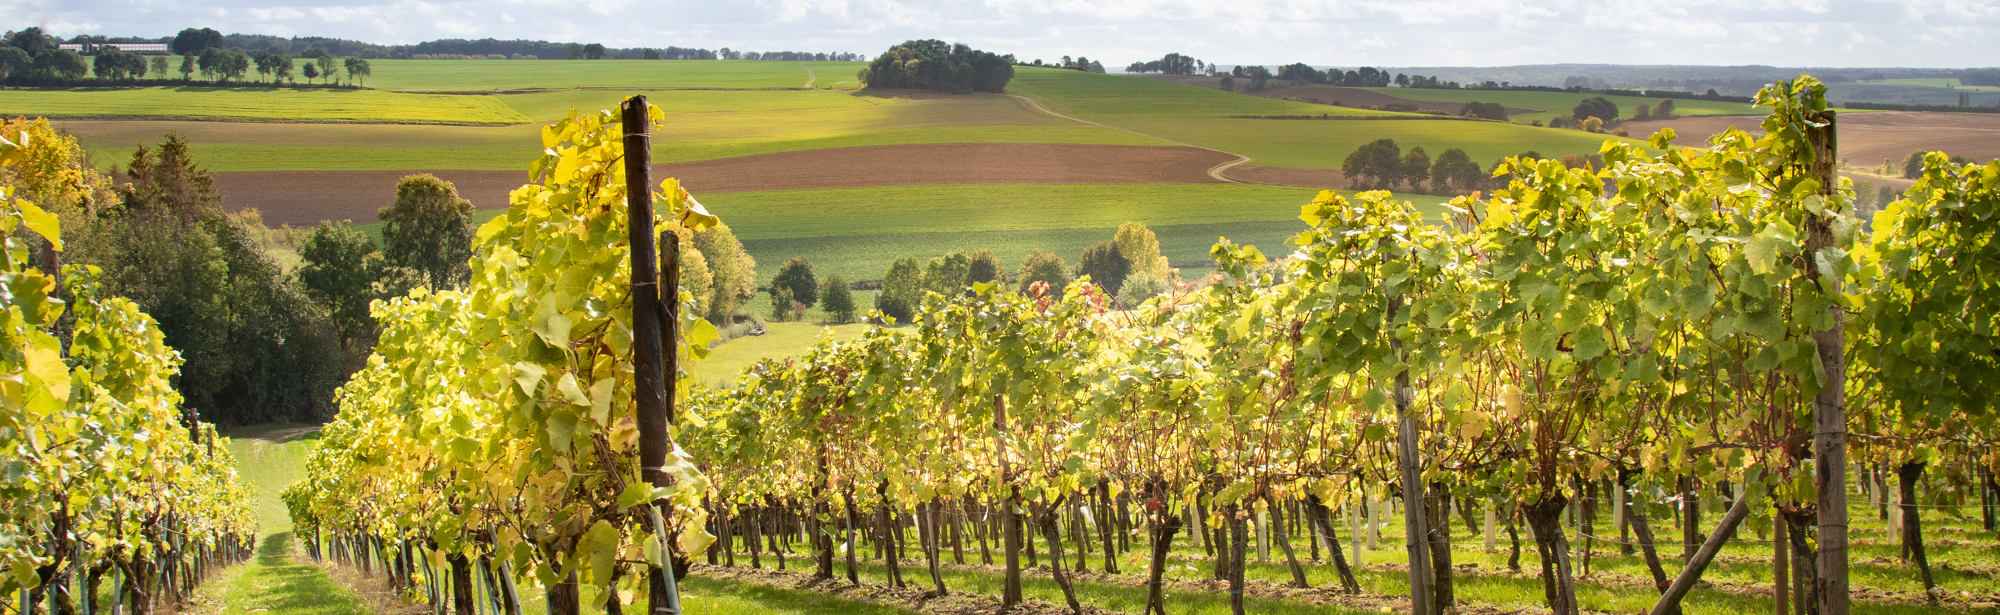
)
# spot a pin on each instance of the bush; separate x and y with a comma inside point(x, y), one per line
point(902, 290)
point(1105, 265)
point(935, 65)
point(1039, 266)
point(1598, 107)
point(1490, 111)
point(839, 301)
point(1140, 287)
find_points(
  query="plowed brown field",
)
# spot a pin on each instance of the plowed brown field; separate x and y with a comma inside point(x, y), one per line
point(302, 198)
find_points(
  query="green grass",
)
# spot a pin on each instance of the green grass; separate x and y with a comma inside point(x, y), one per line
point(1552, 104)
point(490, 75)
point(705, 596)
point(700, 127)
point(1095, 96)
point(1326, 144)
point(260, 105)
point(274, 583)
point(858, 232)
point(781, 339)
point(272, 457)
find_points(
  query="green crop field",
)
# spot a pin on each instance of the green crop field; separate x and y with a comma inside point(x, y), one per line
point(701, 125)
point(1325, 144)
point(1942, 83)
point(259, 104)
point(491, 75)
point(1552, 104)
point(1095, 96)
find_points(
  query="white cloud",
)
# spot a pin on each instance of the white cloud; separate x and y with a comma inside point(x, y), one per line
point(1323, 32)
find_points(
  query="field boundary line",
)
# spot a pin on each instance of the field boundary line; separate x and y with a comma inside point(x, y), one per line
point(1215, 171)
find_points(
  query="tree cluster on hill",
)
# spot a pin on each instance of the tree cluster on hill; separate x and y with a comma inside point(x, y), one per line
point(1490, 111)
point(1365, 77)
point(1980, 76)
point(1172, 64)
point(936, 65)
point(1382, 165)
point(1423, 82)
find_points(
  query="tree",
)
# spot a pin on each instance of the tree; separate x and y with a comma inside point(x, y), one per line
point(1043, 266)
point(948, 274)
point(1598, 107)
point(1642, 113)
point(1227, 84)
point(902, 290)
point(1591, 124)
point(265, 62)
point(159, 66)
point(357, 68)
point(14, 62)
point(1664, 110)
point(325, 63)
point(209, 61)
point(1455, 172)
point(1258, 76)
point(32, 41)
point(187, 68)
point(797, 276)
point(696, 278)
point(311, 71)
point(982, 267)
point(281, 68)
point(429, 229)
point(61, 64)
point(231, 65)
point(734, 271)
point(593, 51)
point(1142, 248)
point(1105, 266)
point(1416, 168)
point(1380, 161)
point(192, 41)
point(839, 301)
point(342, 270)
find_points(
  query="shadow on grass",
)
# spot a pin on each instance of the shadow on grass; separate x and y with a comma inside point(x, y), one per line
point(707, 595)
point(283, 586)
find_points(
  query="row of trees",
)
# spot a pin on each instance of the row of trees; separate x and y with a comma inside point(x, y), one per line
point(1129, 268)
point(1382, 165)
point(1172, 64)
point(936, 65)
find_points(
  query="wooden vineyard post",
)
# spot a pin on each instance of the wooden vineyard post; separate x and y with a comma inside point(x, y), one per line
point(1416, 530)
point(651, 332)
point(1830, 404)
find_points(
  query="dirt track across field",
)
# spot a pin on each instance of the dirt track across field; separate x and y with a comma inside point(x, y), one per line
point(1865, 138)
point(304, 198)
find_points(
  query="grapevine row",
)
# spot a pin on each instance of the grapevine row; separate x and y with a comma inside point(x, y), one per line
point(1683, 317)
point(109, 489)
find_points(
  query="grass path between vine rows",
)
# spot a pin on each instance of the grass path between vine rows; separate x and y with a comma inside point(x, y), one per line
point(280, 580)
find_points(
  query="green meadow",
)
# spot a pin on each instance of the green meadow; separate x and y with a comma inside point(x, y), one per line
point(260, 104)
point(1549, 105)
point(1325, 144)
point(1092, 96)
point(500, 75)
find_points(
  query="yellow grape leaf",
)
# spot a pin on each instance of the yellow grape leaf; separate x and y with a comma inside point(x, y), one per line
point(42, 222)
point(1510, 398)
point(1474, 425)
point(600, 401)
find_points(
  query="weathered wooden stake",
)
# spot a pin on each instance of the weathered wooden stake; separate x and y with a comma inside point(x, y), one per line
point(652, 330)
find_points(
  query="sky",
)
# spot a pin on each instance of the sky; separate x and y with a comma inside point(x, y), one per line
point(1861, 33)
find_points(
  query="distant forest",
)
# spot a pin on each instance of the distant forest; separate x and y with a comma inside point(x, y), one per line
point(481, 48)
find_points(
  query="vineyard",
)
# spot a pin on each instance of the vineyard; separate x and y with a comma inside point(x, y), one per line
point(1575, 357)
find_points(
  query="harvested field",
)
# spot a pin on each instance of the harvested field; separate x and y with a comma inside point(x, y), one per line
point(1324, 179)
point(1865, 137)
point(1356, 97)
point(303, 198)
